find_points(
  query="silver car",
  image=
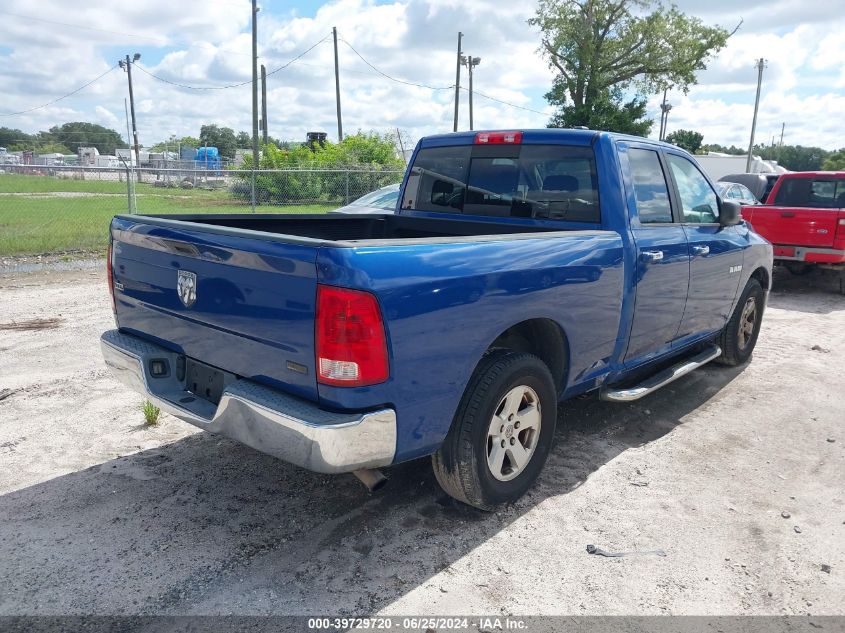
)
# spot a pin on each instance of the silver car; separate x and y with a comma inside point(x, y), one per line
point(736, 192)
point(382, 200)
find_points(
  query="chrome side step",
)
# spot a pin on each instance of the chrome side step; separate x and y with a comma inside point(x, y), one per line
point(661, 378)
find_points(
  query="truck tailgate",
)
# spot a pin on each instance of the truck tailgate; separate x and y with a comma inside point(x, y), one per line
point(794, 226)
point(251, 311)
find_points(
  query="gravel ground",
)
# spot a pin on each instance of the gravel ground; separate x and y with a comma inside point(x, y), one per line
point(737, 475)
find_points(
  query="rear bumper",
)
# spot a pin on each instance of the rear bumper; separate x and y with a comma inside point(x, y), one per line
point(266, 419)
point(809, 254)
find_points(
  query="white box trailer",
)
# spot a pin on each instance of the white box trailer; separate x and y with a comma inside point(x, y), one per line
point(717, 165)
point(107, 161)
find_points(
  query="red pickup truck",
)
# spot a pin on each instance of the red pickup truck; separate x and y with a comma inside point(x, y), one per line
point(804, 219)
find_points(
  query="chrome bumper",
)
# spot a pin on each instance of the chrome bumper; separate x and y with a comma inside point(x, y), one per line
point(266, 419)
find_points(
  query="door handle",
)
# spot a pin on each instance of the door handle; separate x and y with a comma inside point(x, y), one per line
point(652, 256)
point(701, 250)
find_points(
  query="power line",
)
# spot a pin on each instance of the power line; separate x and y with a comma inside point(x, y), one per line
point(301, 55)
point(65, 133)
point(420, 85)
point(384, 74)
point(237, 85)
point(49, 103)
point(507, 103)
point(162, 40)
point(80, 26)
point(186, 86)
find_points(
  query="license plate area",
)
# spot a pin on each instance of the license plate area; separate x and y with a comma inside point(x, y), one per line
point(204, 381)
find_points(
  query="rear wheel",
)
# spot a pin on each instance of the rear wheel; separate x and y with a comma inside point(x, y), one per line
point(502, 432)
point(740, 334)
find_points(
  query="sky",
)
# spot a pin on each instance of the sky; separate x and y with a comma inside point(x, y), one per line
point(51, 48)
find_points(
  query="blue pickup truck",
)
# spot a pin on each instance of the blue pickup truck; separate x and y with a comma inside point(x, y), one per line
point(521, 268)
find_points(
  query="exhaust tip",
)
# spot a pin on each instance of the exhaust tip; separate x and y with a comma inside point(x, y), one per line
point(372, 478)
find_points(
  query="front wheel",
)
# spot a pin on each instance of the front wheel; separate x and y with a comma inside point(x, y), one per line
point(502, 432)
point(740, 334)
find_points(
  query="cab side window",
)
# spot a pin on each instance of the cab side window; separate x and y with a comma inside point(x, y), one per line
point(698, 200)
point(650, 188)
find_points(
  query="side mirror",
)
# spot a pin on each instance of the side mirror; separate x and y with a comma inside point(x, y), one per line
point(730, 213)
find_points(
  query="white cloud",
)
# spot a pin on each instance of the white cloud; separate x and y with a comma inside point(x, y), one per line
point(106, 118)
point(206, 43)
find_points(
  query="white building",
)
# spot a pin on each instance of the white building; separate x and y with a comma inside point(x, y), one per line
point(128, 155)
point(717, 165)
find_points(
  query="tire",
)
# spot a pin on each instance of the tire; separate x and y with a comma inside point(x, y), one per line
point(462, 465)
point(740, 334)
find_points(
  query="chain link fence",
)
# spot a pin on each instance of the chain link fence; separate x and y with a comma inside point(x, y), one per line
point(66, 209)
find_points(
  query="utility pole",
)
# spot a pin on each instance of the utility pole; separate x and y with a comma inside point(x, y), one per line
point(457, 83)
point(782, 128)
point(130, 189)
point(126, 64)
point(255, 84)
point(264, 104)
point(761, 64)
point(665, 108)
point(337, 88)
point(254, 101)
point(470, 62)
point(401, 146)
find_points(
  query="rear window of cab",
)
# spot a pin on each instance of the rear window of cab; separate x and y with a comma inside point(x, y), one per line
point(510, 180)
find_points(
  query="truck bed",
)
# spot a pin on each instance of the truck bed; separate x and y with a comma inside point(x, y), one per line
point(804, 218)
point(328, 228)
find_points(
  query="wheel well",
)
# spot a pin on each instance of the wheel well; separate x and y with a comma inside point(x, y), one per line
point(541, 337)
point(761, 275)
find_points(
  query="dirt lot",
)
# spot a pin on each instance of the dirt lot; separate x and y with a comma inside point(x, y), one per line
point(736, 474)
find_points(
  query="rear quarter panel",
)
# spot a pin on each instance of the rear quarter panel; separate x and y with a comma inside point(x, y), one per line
point(445, 303)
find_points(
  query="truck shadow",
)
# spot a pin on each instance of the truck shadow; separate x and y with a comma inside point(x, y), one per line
point(791, 292)
point(204, 525)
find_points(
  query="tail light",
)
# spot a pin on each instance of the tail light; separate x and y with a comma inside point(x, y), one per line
point(350, 340)
point(498, 138)
point(839, 236)
point(110, 276)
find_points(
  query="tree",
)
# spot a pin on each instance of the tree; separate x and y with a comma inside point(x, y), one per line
point(80, 134)
point(223, 138)
point(686, 139)
point(602, 49)
point(835, 162)
point(723, 149)
point(244, 140)
point(53, 148)
point(793, 157)
point(10, 137)
point(374, 155)
point(175, 144)
point(605, 113)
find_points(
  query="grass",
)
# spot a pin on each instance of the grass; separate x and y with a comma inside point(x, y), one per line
point(22, 183)
point(48, 220)
point(16, 183)
point(151, 413)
